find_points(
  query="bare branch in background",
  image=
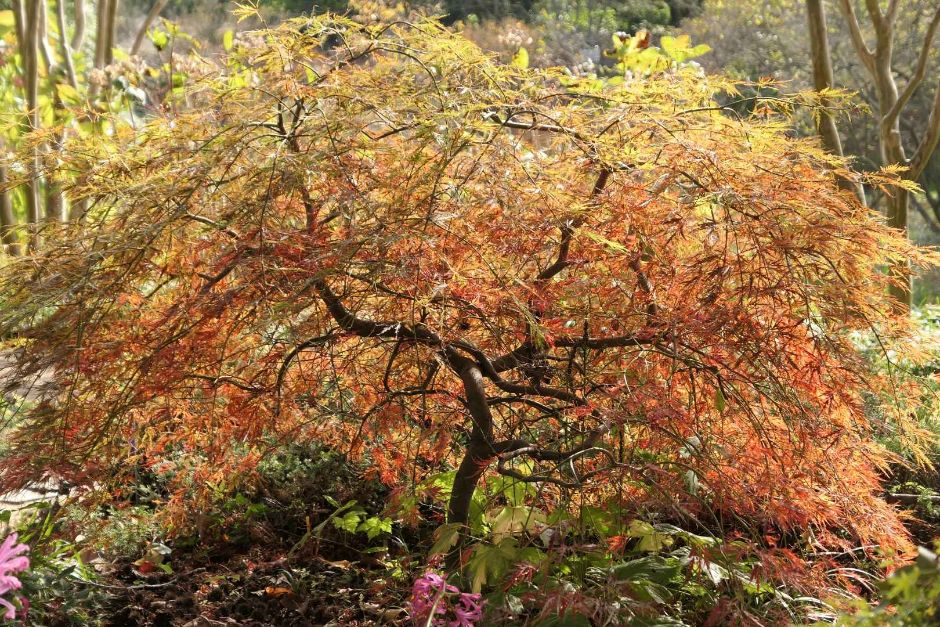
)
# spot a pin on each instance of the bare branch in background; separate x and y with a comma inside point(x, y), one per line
point(148, 21)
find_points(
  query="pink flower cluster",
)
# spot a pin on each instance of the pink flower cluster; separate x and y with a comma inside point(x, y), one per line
point(432, 596)
point(12, 561)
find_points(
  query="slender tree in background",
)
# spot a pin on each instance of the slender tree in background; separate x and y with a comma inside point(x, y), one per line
point(823, 81)
point(152, 15)
point(104, 41)
point(7, 217)
point(50, 59)
point(66, 46)
point(892, 100)
point(27, 17)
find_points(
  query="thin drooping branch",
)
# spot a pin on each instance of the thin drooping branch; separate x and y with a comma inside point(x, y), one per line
point(289, 357)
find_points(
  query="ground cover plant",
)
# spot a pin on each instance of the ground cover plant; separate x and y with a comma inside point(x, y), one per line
point(600, 336)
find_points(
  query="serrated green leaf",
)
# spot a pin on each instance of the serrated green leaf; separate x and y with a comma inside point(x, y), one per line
point(445, 537)
point(490, 561)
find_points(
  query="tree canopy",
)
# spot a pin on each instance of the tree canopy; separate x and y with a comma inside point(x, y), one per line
point(380, 239)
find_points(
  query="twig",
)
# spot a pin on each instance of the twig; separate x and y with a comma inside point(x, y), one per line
point(139, 586)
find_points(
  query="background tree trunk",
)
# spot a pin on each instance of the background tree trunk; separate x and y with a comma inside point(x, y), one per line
point(891, 104)
point(78, 36)
point(29, 52)
point(823, 80)
point(479, 452)
point(7, 218)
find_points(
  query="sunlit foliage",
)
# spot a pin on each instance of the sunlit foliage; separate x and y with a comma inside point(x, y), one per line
point(379, 239)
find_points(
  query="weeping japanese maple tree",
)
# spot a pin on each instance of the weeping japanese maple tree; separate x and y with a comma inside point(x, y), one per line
point(381, 240)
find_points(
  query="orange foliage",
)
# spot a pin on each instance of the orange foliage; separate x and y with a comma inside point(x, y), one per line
point(406, 251)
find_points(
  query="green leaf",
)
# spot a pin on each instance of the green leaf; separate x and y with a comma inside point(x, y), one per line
point(650, 539)
point(490, 562)
point(697, 51)
point(375, 526)
point(680, 48)
point(715, 572)
point(520, 59)
point(673, 45)
point(720, 402)
point(228, 40)
point(445, 537)
point(512, 520)
point(598, 520)
point(349, 522)
point(645, 590)
point(513, 490)
point(68, 94)
point(652, 567)
point(159, 38)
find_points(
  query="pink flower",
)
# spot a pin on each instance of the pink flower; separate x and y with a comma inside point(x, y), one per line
point(12, 561)
point(450, 607)
point(467, 611)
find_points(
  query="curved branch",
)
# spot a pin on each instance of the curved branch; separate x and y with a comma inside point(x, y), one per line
point(226, 379)
point(564, 458)
point(348, 321)
point(917, 78)
point(142, 31)
point(930, 140)
point(567, 233)
point(855, 31)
